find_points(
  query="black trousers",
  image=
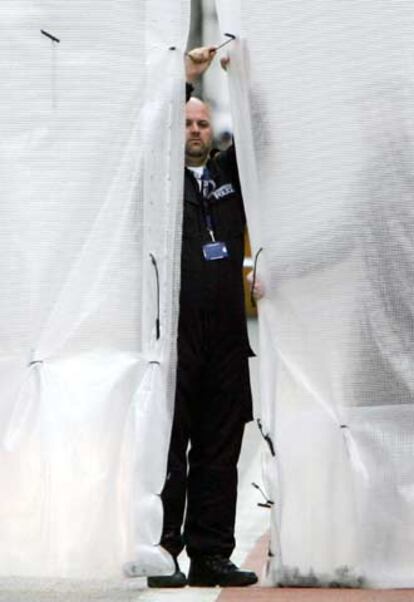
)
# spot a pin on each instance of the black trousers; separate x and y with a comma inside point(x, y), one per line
point(212, 405)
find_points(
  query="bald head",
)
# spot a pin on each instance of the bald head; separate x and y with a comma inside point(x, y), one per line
point(199, 134)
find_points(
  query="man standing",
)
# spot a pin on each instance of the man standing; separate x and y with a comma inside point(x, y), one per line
point(213, 397)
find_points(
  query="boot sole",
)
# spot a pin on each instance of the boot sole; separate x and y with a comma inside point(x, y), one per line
point(218, 583)
point(166, 583)
point(159, 585)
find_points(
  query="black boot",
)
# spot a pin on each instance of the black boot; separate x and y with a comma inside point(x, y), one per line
point(209, 571)
point(177, 579)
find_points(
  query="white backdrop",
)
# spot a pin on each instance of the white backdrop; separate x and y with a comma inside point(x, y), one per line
point(322, 94)
point(91, 157)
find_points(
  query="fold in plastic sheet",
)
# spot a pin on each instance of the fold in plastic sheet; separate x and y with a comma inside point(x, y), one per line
point(322, 94)
point(91, 159)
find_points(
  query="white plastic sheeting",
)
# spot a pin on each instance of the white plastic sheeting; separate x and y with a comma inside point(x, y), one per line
point(322, 92)
point(91, 159)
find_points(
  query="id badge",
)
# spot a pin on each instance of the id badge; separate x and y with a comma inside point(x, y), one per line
point(213, 251)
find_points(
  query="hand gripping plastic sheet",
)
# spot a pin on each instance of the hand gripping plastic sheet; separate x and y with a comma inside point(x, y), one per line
point(91, 172)
point(322, 92)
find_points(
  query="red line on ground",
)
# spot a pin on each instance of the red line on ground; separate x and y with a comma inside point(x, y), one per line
point(256, 560)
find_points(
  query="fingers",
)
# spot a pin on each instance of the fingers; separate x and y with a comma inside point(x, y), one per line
point(258, 290)
point(224, 62)
point(202, 55)
point(198, 61)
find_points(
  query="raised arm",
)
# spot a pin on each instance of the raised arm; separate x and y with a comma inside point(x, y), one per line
point(197, 61)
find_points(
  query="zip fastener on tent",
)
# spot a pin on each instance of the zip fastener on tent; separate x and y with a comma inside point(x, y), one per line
point(157, 278)
point(54, 41)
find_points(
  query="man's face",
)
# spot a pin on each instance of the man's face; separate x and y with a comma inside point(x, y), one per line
point(199, 135)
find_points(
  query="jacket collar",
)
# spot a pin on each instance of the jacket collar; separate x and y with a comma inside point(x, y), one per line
point(191, 181)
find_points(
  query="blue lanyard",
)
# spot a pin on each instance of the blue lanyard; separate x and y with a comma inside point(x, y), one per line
point(207, 187)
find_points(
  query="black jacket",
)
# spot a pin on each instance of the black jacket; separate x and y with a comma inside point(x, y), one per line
point(215, 286)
